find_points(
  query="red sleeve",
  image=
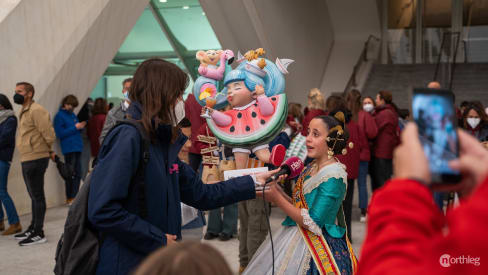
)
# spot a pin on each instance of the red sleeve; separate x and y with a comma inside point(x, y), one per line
point(370, 127)
point(407, 233)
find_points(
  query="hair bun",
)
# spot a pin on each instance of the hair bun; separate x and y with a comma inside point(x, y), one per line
point(340, 116)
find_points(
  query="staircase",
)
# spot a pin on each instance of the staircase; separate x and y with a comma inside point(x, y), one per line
point(470, 81)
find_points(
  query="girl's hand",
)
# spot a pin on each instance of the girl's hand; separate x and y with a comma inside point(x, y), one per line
point(272, 193)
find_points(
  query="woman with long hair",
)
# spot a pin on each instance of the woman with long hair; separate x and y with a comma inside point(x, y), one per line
point(368, 130)
point(475, 122)
point(133, 222)
point(310, 241)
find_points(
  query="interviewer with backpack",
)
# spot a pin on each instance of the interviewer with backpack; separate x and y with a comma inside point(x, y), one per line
point(114, 204)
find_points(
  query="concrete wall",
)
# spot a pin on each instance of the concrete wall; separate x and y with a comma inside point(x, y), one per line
point(353, 21)
point(299, 30)
point(61, 47)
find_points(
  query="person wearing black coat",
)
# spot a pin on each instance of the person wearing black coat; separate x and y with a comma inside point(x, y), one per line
point(8, 128)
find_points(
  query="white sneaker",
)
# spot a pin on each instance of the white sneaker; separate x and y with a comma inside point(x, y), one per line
point(363, 218)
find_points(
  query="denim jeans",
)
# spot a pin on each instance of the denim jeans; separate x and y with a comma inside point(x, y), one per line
point(226, 224)
point(5, 199)
point(72, 185)
point(33, 172)
point(362, 187)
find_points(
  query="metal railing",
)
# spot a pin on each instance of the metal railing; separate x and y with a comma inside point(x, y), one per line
point(444, 71)
point(363, 58)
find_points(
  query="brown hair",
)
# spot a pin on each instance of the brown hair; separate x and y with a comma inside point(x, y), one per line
point(478, 109)
point(157, 85)
point(335, 102)
point(27, 87)
point(295, 109)
point(372, 99)
point(100, 106)
point(353, 103)
point(127, 80)
point(316, 99)
point(70, 100)
point(388, 98)
point(188, 258)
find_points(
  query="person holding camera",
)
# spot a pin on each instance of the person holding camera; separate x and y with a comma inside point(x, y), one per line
point(406, 231)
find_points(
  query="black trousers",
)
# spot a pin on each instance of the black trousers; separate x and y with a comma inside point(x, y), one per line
point(72, 185)
point(382, 171)
point(347, 206)
point(33, 172)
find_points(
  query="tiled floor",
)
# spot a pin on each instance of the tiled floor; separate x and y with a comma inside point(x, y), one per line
point(39, 259)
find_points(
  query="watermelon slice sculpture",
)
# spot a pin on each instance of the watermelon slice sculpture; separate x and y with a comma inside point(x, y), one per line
point(249, 127)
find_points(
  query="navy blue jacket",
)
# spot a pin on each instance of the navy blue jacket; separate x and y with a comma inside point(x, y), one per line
point(64, 126)
point(7, 138)
point(112, 208)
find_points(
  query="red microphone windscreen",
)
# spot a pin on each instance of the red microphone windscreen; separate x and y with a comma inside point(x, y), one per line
point(296, 166)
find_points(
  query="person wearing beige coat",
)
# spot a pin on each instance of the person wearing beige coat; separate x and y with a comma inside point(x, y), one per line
point(34, 142)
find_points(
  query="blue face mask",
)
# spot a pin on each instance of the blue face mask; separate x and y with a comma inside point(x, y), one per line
point(126, 95)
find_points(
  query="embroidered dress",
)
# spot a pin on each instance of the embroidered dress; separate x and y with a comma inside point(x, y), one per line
point(320, 248)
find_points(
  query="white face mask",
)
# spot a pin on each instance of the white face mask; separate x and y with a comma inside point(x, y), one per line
point(368, 107)
point(179, 111)
point(473, 121)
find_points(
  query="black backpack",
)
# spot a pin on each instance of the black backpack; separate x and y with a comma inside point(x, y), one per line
point(78, 247)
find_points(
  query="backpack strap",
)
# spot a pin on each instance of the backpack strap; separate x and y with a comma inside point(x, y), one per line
point(137, 181)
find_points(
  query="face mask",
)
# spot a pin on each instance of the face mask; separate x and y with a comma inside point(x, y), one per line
point(473, 121)
point(19, 99)
point(179, 111)
point(126, 95)
point(368, 107)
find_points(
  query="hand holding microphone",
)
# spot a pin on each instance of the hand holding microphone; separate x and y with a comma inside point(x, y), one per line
point(292, 167)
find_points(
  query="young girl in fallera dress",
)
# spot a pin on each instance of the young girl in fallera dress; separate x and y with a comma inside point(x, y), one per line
point(310, 241)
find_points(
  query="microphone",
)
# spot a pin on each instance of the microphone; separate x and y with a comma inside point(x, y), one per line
point(291, 167)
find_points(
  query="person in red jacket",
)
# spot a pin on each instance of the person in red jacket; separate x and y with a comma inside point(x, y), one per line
point(368, 131)
point(95, 124)
point(351, 160)
point(407, 234)
point(316, 106)
point(386, 118)
point(193, 110)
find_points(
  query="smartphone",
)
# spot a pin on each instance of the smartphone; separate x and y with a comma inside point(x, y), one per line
point(434, 113)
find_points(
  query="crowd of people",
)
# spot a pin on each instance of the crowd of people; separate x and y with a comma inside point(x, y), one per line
point(79, 135)
point(342, 139)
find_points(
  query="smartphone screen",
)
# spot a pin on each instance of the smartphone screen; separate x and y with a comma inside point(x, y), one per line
point(435, 116)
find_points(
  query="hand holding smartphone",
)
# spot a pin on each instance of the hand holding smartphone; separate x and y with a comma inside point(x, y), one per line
point(433, 112)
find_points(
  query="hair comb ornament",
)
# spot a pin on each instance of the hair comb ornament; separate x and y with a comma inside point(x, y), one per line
point(340, 116)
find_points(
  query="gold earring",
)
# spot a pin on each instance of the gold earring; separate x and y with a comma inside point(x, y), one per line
point(330, 154)
point(328, 139)
point(351, 145)
point(344, 151)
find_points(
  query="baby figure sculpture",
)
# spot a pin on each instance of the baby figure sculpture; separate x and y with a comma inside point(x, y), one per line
point(255, 91)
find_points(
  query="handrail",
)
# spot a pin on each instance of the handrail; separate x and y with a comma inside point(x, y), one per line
point(362, 58)
point(452, 53)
